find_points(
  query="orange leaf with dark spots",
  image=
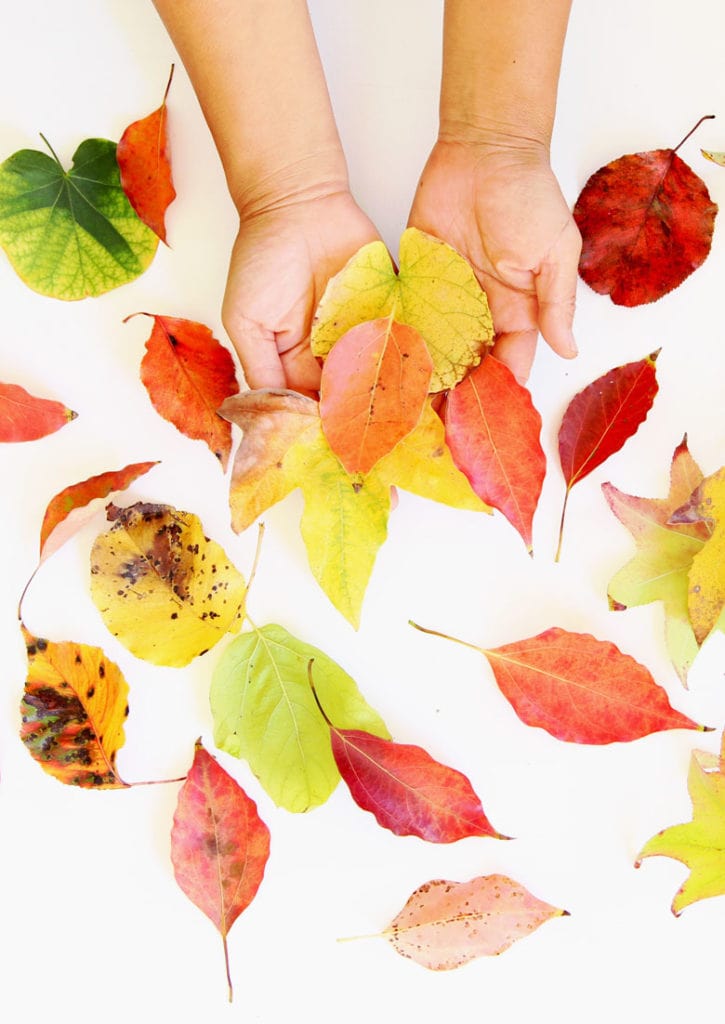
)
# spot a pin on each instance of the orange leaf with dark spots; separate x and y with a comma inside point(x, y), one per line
point(219, 845)
point(23, 417)
point(145, 167)
point(374, 385)
point(188, 374)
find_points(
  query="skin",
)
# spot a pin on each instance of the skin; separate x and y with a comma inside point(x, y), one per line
point(487, 187)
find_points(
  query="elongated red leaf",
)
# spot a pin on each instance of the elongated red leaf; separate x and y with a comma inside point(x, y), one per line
point(445, 924)
point(374, 385)
point(145, 167)
point(646, 221)
point(188, 374)
point(219, 845)
point(601, 417)
point(492, 429)
point(580, 689)
point(23, 417)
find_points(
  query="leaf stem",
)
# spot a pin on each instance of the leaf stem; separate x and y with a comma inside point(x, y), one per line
point(168, 86)
point(445, 636)
point(705, 117)
point(226, 965)
point(155, 782)
point(310, 663)
point(52, 152)
point(253, 570)
point(561, 525)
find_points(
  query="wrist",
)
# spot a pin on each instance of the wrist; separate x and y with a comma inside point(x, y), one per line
point(488, 135)
point(286, 182)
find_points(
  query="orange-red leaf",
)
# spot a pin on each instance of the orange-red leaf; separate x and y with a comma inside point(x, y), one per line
point(145, 167)
point(219, 844)
point(188, 374)
point(445, 924)
point(23, 417)
point(492, 429)
point(374, 385)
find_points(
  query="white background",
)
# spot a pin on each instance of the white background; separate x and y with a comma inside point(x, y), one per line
point(91, 921)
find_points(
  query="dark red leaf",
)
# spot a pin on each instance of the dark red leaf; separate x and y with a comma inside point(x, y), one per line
point(26, 418)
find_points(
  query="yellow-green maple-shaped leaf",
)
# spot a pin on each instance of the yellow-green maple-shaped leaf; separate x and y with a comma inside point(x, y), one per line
point(435, 291)
point(71, 234)
point(700, 843)
point(264, 711)
point(665, 552)
point(165, 590)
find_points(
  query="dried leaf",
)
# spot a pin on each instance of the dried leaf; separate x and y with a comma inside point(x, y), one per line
point(219, 845)
point(23, 417)
point(166, 591)
point(73, 711)
point(188, 374)
point(373, 389)
point(646, 221)
point(492, 430)
point(601, 417)
point(716, 158)
point(445, 924)
point(145, 167)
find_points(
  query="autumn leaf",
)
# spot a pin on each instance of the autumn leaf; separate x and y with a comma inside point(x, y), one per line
point(492, 430)
point(374, 386)
point(264, 711)
point(188, 374)
point(219, 845)
point(71, 234)
point(23, 417)
point(706, 593)
point(145, 167)
point(600, 418)
point(646, 221)
point(435, 292)
point(714, 157)
point(579, 689)
point(659, 570)
point(73, 712)
point(166, 591)
point(445, 924)
point(700, 844)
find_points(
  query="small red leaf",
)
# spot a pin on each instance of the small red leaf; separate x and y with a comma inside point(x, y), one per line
point(646, 221)
point(145, 167)
point(188, 374)
point(374, 385)
point(493, 431)
point(219, 845)
point(23, 417)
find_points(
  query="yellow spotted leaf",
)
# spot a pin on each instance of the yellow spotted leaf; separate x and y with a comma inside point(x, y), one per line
point(165, 590)
point(435, 291)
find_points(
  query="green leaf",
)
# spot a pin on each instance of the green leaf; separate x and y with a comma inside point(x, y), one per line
point(71, 234)
point(264, 711)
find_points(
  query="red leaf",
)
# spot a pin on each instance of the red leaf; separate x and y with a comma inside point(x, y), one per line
point(26, 418)
point(143, 161)
point(219, 845)
point(601, 417)
point(493, 431)
point(646, 221)
point(580, 689)
point(188, 374)
point(374, 385)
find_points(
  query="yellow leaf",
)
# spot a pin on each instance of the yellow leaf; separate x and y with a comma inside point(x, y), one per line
point(164, 589)
point(435, 292)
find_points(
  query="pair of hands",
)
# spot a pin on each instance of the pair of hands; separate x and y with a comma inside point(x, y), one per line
point(501, 208)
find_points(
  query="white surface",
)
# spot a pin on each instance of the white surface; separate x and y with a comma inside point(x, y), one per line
point(91, 921)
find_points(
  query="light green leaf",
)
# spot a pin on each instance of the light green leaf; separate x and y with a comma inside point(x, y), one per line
point(264, 711)
point(71, 234)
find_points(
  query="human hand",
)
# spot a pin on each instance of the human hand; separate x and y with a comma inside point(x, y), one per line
point(281, 262)
point(501, 207)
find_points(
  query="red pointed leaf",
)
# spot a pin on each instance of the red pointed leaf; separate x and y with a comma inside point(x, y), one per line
point(219, 844)
point(188, 374)
point(581, 689)
point(407, 791)
point(26, 418)
point(145, 167)
point(493, 431)
point(646, 221)
point(374, 385)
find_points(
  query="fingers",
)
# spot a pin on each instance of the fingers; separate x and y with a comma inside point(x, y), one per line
point(556, 292)
point(256, 346)
point(516, 349)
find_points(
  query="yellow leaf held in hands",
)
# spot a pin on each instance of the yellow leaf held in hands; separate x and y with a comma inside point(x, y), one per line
point(165, 590)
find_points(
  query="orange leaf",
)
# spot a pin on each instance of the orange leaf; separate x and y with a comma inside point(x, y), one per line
point(188, 374)
point(374, 385)
point(145, 167)
point(26, 418)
